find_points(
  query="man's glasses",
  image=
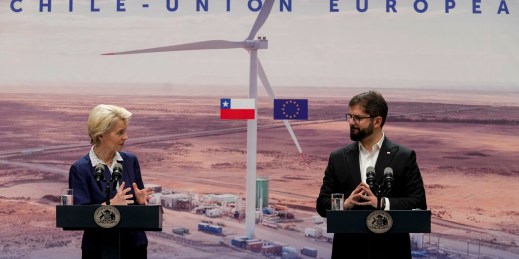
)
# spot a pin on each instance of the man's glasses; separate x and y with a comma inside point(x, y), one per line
point(356, 119)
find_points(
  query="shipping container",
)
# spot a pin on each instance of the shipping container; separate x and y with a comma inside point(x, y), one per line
point(239, 242)
point(267, 211)
point(211, 229)
point(254, 246)
point(202, 226)
point(311, 252)
point(310, 232)
point(213, 213)
point(217, 230)
point(289, 249)
point(271, 250)
point(180, 231)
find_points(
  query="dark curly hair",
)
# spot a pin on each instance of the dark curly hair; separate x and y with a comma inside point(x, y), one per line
point(371, 103)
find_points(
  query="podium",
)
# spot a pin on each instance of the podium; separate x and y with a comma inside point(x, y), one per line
point(132, 217)
point(355, 221)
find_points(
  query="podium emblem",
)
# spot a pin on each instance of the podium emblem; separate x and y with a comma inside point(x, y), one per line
point(107, 216)
point(379, 222)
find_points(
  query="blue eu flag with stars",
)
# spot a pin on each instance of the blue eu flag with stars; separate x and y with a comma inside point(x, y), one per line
point(290, 109)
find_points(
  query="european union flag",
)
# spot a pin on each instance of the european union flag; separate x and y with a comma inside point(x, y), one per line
point(290, 109)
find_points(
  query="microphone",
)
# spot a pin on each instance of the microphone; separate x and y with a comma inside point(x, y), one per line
point(98, 174)
point(370, 176)
point(117, 174)
point(388, 177)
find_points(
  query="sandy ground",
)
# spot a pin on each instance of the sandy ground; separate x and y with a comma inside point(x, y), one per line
point(465, 149)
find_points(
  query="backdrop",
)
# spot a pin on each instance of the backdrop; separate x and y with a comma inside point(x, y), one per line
point(447, 68)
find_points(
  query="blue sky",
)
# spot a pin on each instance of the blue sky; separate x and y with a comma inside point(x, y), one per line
point(309, 46)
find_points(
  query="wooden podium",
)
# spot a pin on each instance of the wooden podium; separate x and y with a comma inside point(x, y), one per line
point(133, 217)
point(354, 221)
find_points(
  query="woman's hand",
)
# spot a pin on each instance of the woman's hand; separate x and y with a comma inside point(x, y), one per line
point(122, 198)
point(142, 196)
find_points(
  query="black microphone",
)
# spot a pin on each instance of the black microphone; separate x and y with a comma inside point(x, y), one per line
point(117, 174)
point(99, 174)
point(388, 177)
point(370, 176)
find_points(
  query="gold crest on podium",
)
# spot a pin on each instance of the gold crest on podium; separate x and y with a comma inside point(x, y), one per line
point(107, 216)
point(379, 222)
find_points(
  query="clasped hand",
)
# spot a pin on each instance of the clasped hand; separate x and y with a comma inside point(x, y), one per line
point(361, 196)
point(122, 197)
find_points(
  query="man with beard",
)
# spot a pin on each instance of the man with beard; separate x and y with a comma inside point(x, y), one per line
point(346, 173)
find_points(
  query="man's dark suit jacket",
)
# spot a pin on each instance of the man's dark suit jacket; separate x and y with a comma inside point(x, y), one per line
point(86, 192)
point(342, 175)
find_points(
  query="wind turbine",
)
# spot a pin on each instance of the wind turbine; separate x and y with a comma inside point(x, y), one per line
point(256, 69)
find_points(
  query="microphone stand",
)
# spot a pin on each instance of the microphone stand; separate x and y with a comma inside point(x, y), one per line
point(379, 197)
point(107, 190)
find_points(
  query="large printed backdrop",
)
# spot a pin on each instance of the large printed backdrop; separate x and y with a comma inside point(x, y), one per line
point(449, 74)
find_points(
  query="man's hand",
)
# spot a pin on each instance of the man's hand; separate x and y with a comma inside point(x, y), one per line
point(361, 196)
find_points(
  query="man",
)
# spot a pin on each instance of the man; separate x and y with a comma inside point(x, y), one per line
point(346, 173)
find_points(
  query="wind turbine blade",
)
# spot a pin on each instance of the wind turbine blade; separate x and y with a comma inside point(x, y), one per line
point(262, 17)
point(210, 44)
point(265, 82)
point(294, 138)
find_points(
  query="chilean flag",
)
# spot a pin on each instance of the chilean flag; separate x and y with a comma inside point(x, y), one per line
point(237, 109)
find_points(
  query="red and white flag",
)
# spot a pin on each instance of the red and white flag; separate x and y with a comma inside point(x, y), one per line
point(237, 109)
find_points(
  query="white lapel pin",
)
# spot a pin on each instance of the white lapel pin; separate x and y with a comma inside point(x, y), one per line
point(388, 152)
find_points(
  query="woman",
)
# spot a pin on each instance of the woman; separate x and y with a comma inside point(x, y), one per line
point(107, 126)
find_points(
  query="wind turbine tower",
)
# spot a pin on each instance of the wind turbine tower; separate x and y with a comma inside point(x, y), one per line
point(252, 45)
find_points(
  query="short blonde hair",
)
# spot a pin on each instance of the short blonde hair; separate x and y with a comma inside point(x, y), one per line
point(102, 118)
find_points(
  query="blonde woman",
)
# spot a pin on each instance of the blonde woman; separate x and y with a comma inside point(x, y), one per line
point(107, 126)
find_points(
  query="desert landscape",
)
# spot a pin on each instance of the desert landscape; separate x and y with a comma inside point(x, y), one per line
point(466, 143)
